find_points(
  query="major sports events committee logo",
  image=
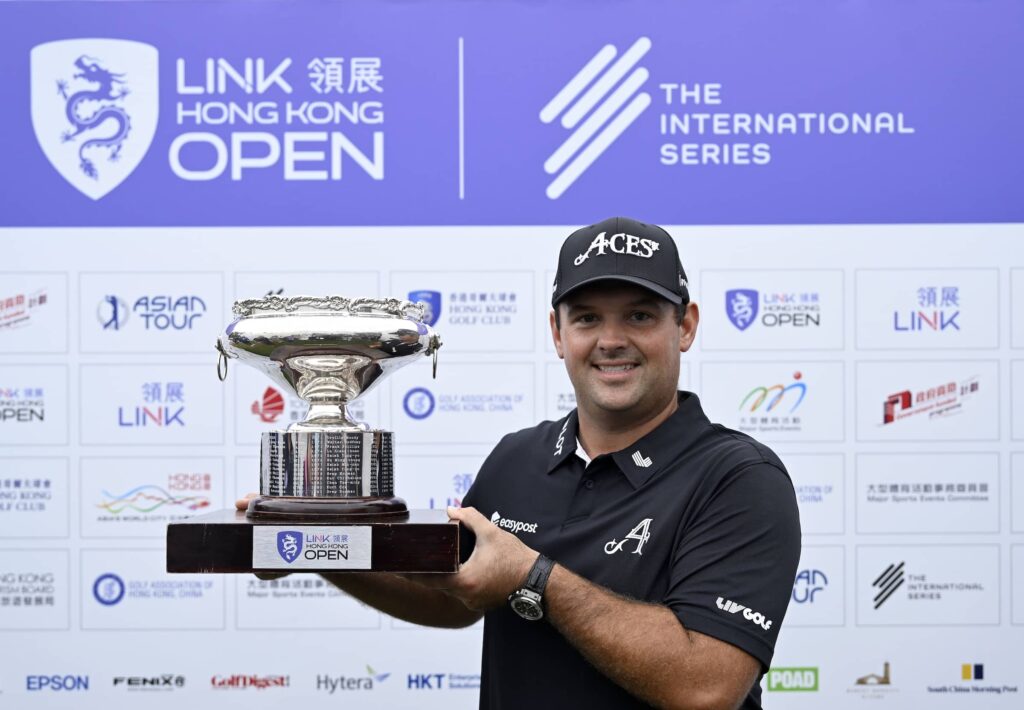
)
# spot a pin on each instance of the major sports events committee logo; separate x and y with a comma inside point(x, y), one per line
point(95, 104)
point(597, 105)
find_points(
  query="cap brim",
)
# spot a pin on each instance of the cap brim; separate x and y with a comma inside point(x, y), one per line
point(644, 283)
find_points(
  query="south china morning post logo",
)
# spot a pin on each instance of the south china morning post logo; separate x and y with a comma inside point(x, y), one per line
point(150, 312)
point(745, 307)
point(972, 680)
point(94, 108)
point(609, 94)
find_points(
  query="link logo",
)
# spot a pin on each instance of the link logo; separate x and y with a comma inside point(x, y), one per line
point(597, 106)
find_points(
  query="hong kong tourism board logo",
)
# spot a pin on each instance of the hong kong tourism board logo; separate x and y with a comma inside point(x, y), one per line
point(95, 104)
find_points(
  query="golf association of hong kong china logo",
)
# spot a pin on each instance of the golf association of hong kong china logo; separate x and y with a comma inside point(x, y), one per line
point(601, 101)
point(95, 104)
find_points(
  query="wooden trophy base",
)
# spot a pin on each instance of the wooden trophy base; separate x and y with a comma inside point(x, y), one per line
point(325, 510)
point(228, 541)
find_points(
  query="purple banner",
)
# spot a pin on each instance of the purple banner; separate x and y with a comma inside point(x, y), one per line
point(446, 112)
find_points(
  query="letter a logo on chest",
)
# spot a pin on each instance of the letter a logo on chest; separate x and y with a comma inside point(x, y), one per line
point(641, 533)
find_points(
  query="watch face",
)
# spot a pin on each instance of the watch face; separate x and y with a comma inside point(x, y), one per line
point(527, 608)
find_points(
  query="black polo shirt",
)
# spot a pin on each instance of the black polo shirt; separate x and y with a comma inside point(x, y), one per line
point(694, 516)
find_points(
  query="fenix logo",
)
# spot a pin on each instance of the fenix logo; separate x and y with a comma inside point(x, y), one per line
point(749, 614)
point(513, 526)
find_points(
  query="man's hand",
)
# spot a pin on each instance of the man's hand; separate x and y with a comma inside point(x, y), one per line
point(498, 566)
point(243, 503)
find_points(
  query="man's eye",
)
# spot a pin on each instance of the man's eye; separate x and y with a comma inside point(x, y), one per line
point(586, 318)
point(641, 316)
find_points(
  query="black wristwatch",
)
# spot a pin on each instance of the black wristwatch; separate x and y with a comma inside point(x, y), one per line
point(527, 601)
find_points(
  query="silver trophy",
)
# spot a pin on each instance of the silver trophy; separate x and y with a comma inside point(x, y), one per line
point(329, 351)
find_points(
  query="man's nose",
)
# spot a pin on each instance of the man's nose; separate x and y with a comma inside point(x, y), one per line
point(612, 336)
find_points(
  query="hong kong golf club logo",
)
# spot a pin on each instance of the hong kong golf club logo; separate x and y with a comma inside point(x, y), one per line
point(94, 108)
point(597, 105)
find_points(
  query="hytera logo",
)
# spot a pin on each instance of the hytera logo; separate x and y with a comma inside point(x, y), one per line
point(789, 679)
point(418, 403)
point(94, 108)
point(748, 614)
point(57, 682)
point(108, 589)
point(333, 684)
point(606, 119)
point(513, 526)
point(621, 243)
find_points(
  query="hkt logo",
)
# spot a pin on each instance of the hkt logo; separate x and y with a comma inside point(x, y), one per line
point(598, 117)
point(432, 301)
point(271, 406)
point(940, 401)
point(793, 679)
point(162, 394)
point(56, 682)
point(418, 403)
point(940, 300)
point(808, 583)
point(156, 312)
point(887, 583)
point(108, 589)
point(774, 395)
point(748, 614)
point(95, 104)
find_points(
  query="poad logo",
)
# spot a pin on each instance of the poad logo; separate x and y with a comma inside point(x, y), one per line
point(95, 105)
point(289, 545)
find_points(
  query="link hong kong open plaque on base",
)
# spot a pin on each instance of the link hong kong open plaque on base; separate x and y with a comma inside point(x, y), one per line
point(326, 484)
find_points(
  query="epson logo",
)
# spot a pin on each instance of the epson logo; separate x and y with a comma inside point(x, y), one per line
point(56, 682)
point(749, 614)
point(513, 526)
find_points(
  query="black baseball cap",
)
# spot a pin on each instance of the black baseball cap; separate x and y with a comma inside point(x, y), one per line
point(621, 249)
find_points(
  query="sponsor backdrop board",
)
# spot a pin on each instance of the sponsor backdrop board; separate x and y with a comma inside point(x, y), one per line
point(862, 311)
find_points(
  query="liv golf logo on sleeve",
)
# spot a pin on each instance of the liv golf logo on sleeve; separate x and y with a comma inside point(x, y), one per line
point(94, 108)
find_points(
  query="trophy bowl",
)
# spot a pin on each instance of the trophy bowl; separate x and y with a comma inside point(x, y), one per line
point(329, 351)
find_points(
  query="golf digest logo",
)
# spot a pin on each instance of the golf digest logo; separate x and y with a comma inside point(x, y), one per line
point(749, 614)
point(513, 526)
point(94, 108)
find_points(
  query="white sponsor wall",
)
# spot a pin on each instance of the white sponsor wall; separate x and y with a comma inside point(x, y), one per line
point(885, 364)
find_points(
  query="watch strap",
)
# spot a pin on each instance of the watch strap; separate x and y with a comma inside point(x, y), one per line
point(537, 579)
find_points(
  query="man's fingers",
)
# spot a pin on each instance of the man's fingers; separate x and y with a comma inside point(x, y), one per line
point(471, 518)
point(243, 503)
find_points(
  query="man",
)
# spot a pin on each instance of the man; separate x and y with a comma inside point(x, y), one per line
point(631, 553)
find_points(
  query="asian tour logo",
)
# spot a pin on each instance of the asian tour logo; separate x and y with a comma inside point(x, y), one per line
point(289, 545)
point(597, 105)
point(95, 106)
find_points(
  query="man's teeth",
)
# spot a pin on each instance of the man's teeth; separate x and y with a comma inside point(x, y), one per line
point(615, 368)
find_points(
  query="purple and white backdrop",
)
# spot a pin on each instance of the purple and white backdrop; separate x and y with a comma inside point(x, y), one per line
point(843, 179)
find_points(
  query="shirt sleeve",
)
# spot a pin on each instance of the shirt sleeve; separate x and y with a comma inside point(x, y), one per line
point(732, 570)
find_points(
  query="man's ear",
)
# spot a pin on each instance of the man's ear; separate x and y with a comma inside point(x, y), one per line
point(556, 337)
point(688, 328)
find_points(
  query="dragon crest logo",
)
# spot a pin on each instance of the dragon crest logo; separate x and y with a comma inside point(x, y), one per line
point(95, 104)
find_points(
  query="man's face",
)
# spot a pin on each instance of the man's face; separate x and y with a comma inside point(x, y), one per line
point(621, 346)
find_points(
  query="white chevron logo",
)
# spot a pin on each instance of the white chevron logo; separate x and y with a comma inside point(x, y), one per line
point(588, 93)
point(641, 461)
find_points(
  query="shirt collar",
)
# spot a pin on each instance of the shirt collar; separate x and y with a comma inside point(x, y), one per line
point(642, 459)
